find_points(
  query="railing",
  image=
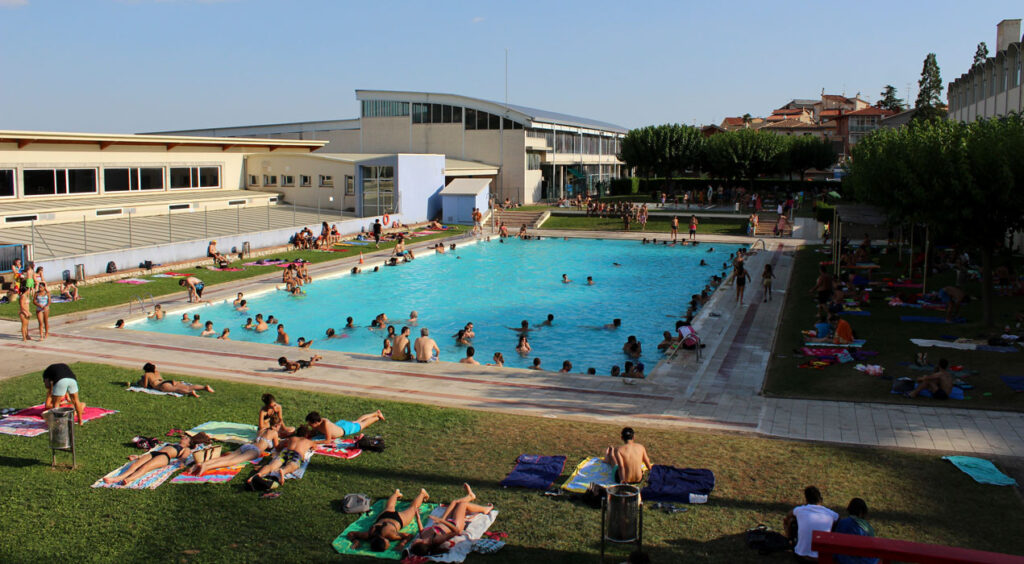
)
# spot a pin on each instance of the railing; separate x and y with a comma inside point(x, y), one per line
point(888, 550)
point(763, 244)
point(142, 303)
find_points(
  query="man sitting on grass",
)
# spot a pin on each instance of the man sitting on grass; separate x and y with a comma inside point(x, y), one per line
point(938, 383)
point(631, 458)
point(803, 520)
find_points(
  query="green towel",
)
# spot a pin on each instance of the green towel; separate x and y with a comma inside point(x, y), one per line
point(983, 471)
point(343, 546)
point(227, 432)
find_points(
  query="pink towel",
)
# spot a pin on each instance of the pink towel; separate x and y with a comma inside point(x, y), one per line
point(341, 448)
point(132, 281)
point(89, 414)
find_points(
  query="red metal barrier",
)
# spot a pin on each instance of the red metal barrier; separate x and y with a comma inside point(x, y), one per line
point(828, 544)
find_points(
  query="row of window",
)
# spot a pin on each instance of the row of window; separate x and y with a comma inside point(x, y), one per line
point(436, 113)
point(63, 181)
point(586, 144)
point(384, 108)
point(305, 181)
point(476, 119)
point(982, 83)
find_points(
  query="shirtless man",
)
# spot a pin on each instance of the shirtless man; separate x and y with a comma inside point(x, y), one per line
point(194, 287)
point(282, 337)
point(336, 430)
point(151, 379)
point(524, 327)
point(292, 452)
point(196, 323)
point(631, 458)
point(824, 287)
point(470, 351)
point(294, 366)
point(400, 346)
point(212, 252)
point(25, 313)
point(261, 325)
point(426, 348)
point(675, 228)
point(238, 300)
point(158, 312)
point(952, 297)
point(548, 322)
point(939, 383)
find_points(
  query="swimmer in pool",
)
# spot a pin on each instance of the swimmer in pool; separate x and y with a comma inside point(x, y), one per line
point(158, 312)
point(523, 347)
point(242, 306)
point(615, 324)
point(185, 319)
point(565, 279)
point(248, 324)
point(282, 337)
point(261, 325)
point(303, 343)
point(547, 322)
point(350, 323)
point(238, 300)
point(590, 280)
point(225, 335)
point(208, 331)
point(524, 327)
point(195, 322)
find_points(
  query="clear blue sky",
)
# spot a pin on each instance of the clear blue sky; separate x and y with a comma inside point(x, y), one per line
point(144, 65)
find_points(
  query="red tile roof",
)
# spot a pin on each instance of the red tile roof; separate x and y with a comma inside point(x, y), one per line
point(733, 121)
point(791, 124)
point(835, 97)
point(787, 112)
point(871, 111)
point(829, 112)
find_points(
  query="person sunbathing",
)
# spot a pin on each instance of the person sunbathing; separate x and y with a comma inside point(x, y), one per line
point(451, 524)
point(388, 526)
point(151, 379)
point(145, 463)
point(334, 430)
point(266, 441)
point(292, 453)
point(294, 366)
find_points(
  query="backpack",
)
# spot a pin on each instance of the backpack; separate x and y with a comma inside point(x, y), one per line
point(902, 385)
point(766, 541)
point(111, 267)
point(355, 503)
point(372, 444)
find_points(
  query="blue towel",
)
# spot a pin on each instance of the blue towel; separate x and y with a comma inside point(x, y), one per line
point(956, 394)
point(535, 472)
point(930, 319)
point(995, 348)
point(860, 313)
point(1016, 383)
point(668, 483)
point(983, 471)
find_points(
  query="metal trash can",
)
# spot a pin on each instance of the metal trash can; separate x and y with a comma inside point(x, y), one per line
point(246, 250)
point(79, 272)
point(623, 523)
point(59, 421)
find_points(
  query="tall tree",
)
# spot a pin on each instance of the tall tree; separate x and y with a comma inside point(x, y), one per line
point(929, 92)
point(981, 54)
point(743, 154)
point(964, 180)
point(889, 100)
point(662, 149)
point(809, 152)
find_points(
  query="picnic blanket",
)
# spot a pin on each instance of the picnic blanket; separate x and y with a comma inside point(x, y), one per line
point(227, 432)
point(684, 485)
point(961, 346)
point(535, 472)
point(22, 426)
point(983, 471)
point(152, 479)
point(1016, 383)
point(460, 546)
point(175, 274)
point(930, 319)
point(132, 281)
point(344, 546)
point(216, 476)
point(591, 470)
point(151, 391)
point(340, 448)
point(856, 344)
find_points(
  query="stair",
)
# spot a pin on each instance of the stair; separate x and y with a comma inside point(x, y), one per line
point(514, 219)
point(766, 225)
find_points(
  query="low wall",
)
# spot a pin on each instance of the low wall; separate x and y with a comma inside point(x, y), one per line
point(96, 263)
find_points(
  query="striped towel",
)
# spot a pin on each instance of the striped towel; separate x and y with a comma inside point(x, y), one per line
point(341, 448)
point(218, 476)
point(298, 474)
point(151, 391)
point(151, 480)
point(22, 426)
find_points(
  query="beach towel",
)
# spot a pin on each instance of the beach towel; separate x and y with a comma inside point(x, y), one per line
point(460, 546)
point(684, 485)
point(298, 474)
point(176, 274)
point(152, 479)
point(854, 345)
point(535, 472)
point(132, 281)
point(162, 276)
point(268, 262)
point(354, 242)
point(930, 319)
point(340, 448)
point(151, 391)
point(344, 546)
point(591, 470)
point(1016, 383)
point(88, 414)
point(225, 269)
point(961, 346)
point(983, 471)
point(22, 426)
point(956, 394)
point(60, 300)
point(217, 476)
point(227, 432)
point(855, 312)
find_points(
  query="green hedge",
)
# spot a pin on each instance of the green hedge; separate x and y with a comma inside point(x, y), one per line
point(654, 186)
point(624, 186)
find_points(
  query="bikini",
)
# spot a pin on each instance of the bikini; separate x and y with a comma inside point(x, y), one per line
point(177, 452)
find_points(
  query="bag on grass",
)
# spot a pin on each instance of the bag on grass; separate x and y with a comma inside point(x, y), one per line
point(372, 444)
point(111, 267)
point(202, 456)
point(902, 385)
point(766, 541)
point(355, 503)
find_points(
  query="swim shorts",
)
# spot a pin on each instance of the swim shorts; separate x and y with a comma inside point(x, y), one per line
point(349, 427)
point(199, 289)
point(945, 297)
point(65, 386)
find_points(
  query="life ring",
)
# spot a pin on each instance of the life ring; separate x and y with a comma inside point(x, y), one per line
point(386, 220)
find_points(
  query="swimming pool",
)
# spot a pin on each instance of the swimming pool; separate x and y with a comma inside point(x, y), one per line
point(496, 286)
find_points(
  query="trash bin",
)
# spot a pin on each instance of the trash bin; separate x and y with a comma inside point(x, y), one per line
point(623, 513)
point(59, 421)
point(246, 250)
point(79, 272)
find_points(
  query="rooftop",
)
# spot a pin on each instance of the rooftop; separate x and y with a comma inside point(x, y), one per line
point(104, 140)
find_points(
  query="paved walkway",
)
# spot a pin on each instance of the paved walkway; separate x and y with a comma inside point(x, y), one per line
point(719, 391)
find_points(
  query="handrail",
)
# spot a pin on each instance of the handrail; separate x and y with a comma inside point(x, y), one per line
point(763, 244)
point(828, 544)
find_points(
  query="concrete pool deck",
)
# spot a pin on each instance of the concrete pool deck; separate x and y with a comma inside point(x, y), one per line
point(721, 391)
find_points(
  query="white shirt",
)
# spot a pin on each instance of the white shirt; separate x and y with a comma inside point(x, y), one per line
point(810, 518)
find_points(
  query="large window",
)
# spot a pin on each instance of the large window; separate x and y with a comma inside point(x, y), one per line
point(126, 179)
point(384, 108)
point(476, 119)
point(378, 190)
point(326, 180)
point(196, 177)
point(49, 181)
point(532, 160)
point(305, 180)
point(350, 188)
point(436, 113)
point(6, 182)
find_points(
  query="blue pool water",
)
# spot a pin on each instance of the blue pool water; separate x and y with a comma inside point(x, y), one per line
point(496, 286)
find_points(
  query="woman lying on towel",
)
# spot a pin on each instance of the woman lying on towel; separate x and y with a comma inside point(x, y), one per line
point(266, 441)
point(150, 461)
point(389, 524)
point(290, 457)
point(431, 539)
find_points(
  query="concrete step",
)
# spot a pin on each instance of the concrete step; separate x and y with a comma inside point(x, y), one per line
point(513, 219)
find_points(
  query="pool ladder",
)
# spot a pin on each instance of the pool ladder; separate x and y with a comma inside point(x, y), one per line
point(763, 244)
point(142, 303)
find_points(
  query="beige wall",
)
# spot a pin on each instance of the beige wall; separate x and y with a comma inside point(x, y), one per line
point(297, 165)
point(385, 135)
point(437, 138)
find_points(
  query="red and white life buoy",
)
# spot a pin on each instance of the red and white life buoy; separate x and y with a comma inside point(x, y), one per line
point(387, 220)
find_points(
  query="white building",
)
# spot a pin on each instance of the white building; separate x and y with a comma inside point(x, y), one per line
point(993, 88)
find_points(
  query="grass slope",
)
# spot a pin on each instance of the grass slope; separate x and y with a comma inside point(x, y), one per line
point(890, 337)
point(53, 514)
point(656, 224)
point(109, 293)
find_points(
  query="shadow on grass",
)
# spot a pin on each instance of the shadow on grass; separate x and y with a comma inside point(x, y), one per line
point(15, 462)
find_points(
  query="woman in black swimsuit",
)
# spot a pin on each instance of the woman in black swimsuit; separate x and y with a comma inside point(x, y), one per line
point(141, 465)
point(451, 524)
point(389, 524)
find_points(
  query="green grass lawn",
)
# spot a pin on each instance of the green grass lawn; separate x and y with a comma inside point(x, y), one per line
point(110, 293)
point(54, 514)
point(656, 224)
point(890, 337)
